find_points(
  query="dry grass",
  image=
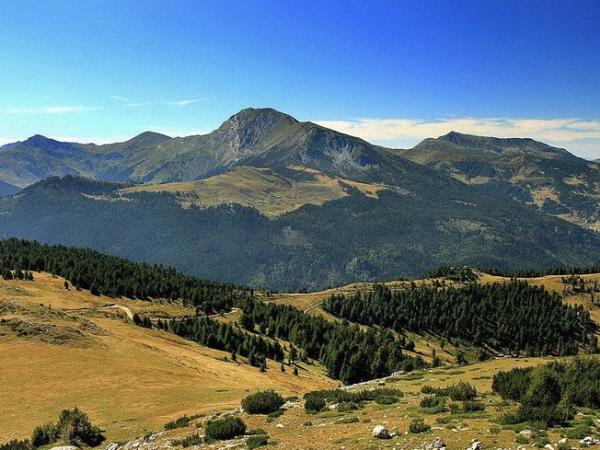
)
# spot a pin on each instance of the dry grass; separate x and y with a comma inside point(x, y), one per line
point(130, 380)
point(263, 189)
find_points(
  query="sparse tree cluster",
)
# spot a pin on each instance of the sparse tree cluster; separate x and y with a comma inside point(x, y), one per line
point(348, 353)
point(549, 393)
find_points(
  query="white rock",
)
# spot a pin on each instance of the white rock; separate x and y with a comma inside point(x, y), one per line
point(438, 443)
point(548, 447)
point(65, 447)
point(589, 440)
point(475, 445)
point(280, 425)
point(526, 433)
point(380, 432)
point(562, 441)
point(113, 446)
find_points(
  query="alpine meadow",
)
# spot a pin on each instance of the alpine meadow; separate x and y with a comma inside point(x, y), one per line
point(299, 225)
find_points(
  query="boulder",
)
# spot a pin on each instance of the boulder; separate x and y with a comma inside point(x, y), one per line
point(548, 447)
point(438, 443)
point(589, 440)
point(113, 446)
point(380, 432)
point(65, 447)
point(526, 433)
point(563, 441)
point(475, 445)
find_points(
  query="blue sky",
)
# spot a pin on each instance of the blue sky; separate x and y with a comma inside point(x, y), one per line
point(392, 72)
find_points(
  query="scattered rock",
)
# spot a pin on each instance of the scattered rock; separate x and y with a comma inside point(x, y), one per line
point(563, 441)
point(526, 433)
point(65, 447)
point(438, 443)
point(113, 446)
point(548, 447)
point(589, 440)
point(380, 432)
point(475, 445)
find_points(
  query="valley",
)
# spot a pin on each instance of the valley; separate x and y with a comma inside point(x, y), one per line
point(64, 347)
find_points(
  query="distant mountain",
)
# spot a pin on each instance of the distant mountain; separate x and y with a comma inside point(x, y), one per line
point(258, 137)
point(355, 236)
point(551, 178)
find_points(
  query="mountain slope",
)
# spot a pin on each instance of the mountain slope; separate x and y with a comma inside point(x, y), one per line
point(352, 238)
point(550, 178)
point(7, 189)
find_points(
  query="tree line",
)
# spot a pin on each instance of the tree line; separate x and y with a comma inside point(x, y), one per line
point(513, 317)
point(224, 336)
point(116, 277)
point(348, 353)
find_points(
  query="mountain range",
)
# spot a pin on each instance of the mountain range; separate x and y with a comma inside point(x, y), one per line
point(271, 201)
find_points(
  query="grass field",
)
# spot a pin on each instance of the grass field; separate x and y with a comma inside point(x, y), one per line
point(263, 189)
point(128, 379)
point(296, 429)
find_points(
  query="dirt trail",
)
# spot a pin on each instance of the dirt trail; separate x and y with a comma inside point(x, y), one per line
point(122, 308)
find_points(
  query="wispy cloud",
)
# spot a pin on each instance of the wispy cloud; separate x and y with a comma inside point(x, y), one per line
point(186, 102)
point(563, 132)
point(126, 101)
point(555, 130)
point(55, 109)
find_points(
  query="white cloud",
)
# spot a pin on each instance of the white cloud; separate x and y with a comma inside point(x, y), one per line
point(560, 132)
point(186, 102)
point(55, 109)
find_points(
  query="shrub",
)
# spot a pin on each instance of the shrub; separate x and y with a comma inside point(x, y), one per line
point(462, 391)
point(346, 406)
point(227, 428)
point(314, 403)
point(180, 422)
point(188, 441)
point(522, 439)
point(257, 441)
point(473, 406)
point(44, 435)
point(345, 420)
point(263, 402)
point(17, 445)
point(386, 399)
point(75, 427)
point(418, 426)
point(430, 402)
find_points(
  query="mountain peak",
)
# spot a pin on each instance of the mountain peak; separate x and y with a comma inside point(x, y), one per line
point(257, 120)
point(150, 137)
point(38, 140)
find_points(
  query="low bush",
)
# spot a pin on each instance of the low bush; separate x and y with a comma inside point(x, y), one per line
point(187, 441)
point(44, 435)
point(263, 402)
point(345, 420)
point(17, 445)
point(257, 441)
point(473, 406)
point(346, 406)
point(418, 426)
point(317, 400)
point(75, 428)
point(180, 422)
point(227, 428)
point(431, 402)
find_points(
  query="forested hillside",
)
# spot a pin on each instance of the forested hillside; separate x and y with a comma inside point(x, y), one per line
point(116, 277)
point(354, 238)
point(513, 317)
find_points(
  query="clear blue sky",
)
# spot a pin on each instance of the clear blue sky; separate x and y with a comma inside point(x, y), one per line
point(390, 71)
